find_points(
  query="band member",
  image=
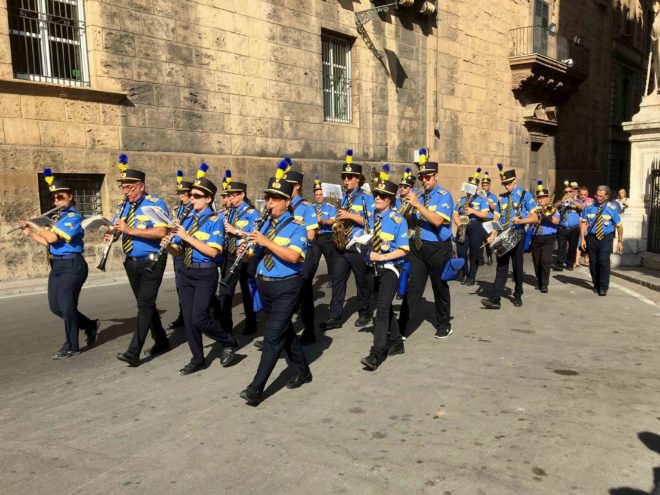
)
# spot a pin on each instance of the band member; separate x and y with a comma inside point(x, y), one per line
point(514, 210)
point(64, 240)
point(183, 192)
point(199, 243)
point(282, 243)
point(351, 218)
point(406, 186)
point(304, 213)
point(491, 199)
point(430, 248)
point(597, 233)
point(470, 234)
point(239, 221)
point(140, 241)
point(543, 237)
point(326, 215)
point(568, 230)
point(389, 246)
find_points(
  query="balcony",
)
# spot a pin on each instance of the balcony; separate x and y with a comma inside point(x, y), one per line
point(546, 67)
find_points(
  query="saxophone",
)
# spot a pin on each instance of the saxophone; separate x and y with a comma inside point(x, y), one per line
point(341, 229)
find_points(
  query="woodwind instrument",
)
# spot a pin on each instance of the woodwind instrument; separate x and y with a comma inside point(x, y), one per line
point(48, 214)
point(115, 236)
point(170, 237)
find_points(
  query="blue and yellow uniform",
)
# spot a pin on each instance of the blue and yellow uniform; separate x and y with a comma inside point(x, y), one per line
point(142, 248)
point(243, 218)
point(292, 235)
point(398, 202)
point(198, 284)
point(70, 232)
point(470, 249)
point(477, 203)
point(568, 235)
point(327, 212)
point(394, 232)
point(304, 213)
point(357, 208)
point(542, 246)
point(492, 198)
point(603, 216)
point(440, 202)
point(519, 203)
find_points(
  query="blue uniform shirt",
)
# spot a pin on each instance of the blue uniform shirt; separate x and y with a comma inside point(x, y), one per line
point(492, 197)
point(393, 231)
point(548, 228)
point(440, 202)
point(178, 213)
point(611, 217)
point(70, 233)
point(476, 203)
point(357, 209)
point(293, 235)
point(526, 205)
point(398, 202)
point(143, 247)
point(211, 233)
point(328, 212)
point(569, 216)
point(304, 213)
point(244, 217)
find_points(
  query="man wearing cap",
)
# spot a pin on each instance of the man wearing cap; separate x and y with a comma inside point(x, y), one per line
point(140, 241)
point(183, 192)
point(568, 230)
point(198, 240)
point(389, 246)
point(239, 221)
point(469, 247)
point(352, 215)
point(304, 213)
point(597, 233)
point(514, 210)
point(282, 244)
point(491, 199)
point(326, 215)
point(543, 237)
point(430, 248)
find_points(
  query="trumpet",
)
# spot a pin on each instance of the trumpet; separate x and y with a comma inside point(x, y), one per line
point(115, 236)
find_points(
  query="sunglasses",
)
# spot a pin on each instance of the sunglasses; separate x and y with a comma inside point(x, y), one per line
point(198, 196)
point(381, 195)
point(426, 177)
point(58, 197)
point(268, 197)
point(348, 177)
point(568, 191)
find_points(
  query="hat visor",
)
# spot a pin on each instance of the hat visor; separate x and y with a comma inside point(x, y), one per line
point(60, 189)
point(383, 191)
point(542, 195)
point(128, 179)
point(426, 172)
point(506, 181)
point(485, 181)
point(275, 192)
point(343, 172)
point(199, 187)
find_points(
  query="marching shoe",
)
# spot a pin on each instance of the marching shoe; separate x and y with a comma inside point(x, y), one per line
point(299, 380)
point(544, 289)
point(330, 324)
point(469, 281)
point(127, 358)
point(92, 332)
point(251, 395)
point(517, 302)
point(557, 267)
point(65, 354)
point(443, 333)
point(191, 368)
point(363, 321)
point(157, 349)
point(602, 292)
point(371, 362)
point(396, 348)
point(490, 303)
point(176, 323)
point(227, 356)
point(259, 344)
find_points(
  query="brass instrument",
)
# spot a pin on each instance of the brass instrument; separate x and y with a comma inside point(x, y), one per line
point(548, 210)
point(463, 220)
point(341, 229)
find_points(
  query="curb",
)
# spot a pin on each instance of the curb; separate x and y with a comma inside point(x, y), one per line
point(650, 284)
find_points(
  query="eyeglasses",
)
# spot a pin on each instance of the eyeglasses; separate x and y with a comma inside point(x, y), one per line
point(58, 197)
point(198, 196)
point(404, 186)
point(128, 187)
point(568, 191)
point(426, 177)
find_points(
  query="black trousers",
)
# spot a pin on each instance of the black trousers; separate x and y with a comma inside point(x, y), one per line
point(567, 237)
point(386, 327)
point(177, 261)
point(542, 248)
point(145, 285)
point(327, 247)
point(310, 266)
point(280, 299)
point(502, 271)
point(196, 294)
point(427, 262)
point(343, 264)
point(227, 295)
point(470, 250)
point(65, 282)
point(599, 260)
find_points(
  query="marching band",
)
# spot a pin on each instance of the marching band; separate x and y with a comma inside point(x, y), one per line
point(393, 237)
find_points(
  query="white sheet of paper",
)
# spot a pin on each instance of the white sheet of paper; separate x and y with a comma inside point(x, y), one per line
point(469, 188)
point(156, 215)
point(332, 190)
point(492, 226)
point(95, 222)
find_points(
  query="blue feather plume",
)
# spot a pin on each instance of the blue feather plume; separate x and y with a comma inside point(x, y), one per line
point(123, 158)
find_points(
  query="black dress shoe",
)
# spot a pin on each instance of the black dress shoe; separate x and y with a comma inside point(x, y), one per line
point(307, 337)
point(396, 348)
point(299, 380)
point(178, 323)
point(371, 362)
point(227, 356)
point(251, 395)
point(363, 321)
point(65, 354)
point(569, 268)
point(443, 333)
point(490, 303)
point(602, 292)
point(158, 349)
point(259, 344)
point(191, 368)
point(544, 289)
point(92, 332)
point(517, 302)
point(469, 281)
point(489, 260)
point(127, 358)
point(558, 268)
point(330, 324)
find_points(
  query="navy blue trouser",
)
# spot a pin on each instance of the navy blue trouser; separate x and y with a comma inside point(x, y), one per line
point(327, 247)
point(145, 284)
point(311, 264)
point(567, 237)
point(386, 326)
point(280, 298)
point(502, 271)
point(542, 247)
point(240, 276)
point(470, 250)
point(65, 282)
point(342, 265)
point(196, 294)
point(599, 260)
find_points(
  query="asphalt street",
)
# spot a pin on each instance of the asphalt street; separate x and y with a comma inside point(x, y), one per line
point(561, 396)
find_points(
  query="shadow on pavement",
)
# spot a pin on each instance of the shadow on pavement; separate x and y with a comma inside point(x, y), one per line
point(580, 282)
point(652, 442)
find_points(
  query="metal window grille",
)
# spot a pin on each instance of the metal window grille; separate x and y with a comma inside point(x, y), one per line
point(86, 189)
point(48, 42)
point(337, 104)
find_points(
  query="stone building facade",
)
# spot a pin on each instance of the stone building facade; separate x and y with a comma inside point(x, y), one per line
point(239, 84)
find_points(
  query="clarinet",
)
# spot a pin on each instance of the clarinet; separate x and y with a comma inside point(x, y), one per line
point(249, 247)
point(170, 237)
point(367, 229)
point(115, 236)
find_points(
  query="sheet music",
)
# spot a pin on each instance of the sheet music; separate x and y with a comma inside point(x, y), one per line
point(156, 215)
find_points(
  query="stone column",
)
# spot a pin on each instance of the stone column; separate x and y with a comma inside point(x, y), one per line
point(644, 132)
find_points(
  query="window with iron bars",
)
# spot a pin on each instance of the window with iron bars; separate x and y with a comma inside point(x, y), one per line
point(337, 103)
point(86, 189)
point(48, 42)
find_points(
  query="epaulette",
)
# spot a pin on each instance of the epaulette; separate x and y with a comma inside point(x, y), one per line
point(72, 214)
point(120, 202)
point(151, 198)
point(442, 191)
point(305, 202)
point(250, 210)
point(396, 216)
point(611, 205)
point(213, 218)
